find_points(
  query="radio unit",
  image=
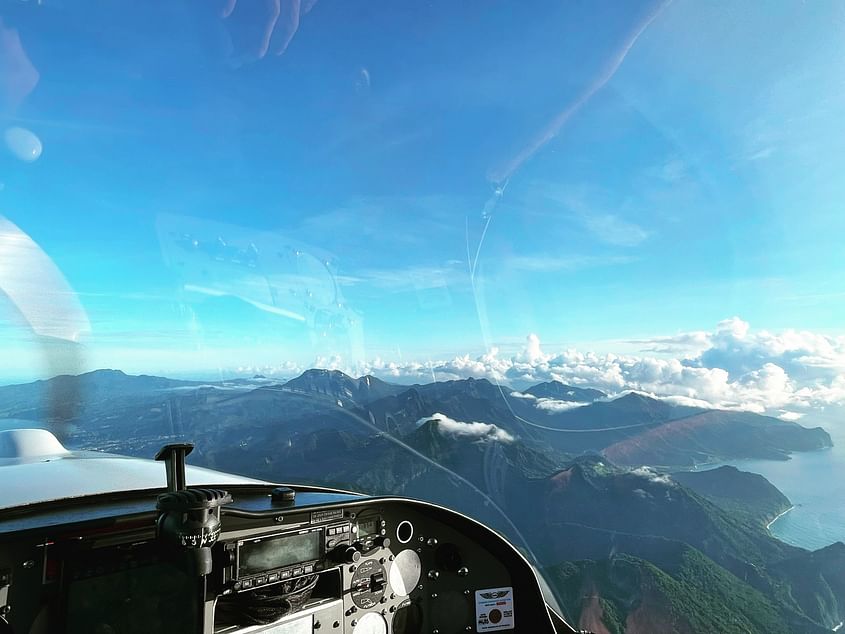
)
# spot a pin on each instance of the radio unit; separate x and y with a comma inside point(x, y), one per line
point(279, 557)
point(371, 532)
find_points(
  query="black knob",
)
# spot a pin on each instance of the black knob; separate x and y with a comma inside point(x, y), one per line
point(351, 555)
point(345, 555)
point(283, 495)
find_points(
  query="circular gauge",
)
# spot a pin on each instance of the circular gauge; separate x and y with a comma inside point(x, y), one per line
point(404, 532)
point(371, 623)
point(405, 572)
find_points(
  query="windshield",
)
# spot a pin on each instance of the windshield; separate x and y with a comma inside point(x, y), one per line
point(573, 269)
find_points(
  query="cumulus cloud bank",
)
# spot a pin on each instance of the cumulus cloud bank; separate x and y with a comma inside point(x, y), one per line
point(732, 366)
point(785, 374)
point(480, 431)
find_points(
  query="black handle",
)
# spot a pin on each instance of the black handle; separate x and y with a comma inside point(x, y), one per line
point(174, 464)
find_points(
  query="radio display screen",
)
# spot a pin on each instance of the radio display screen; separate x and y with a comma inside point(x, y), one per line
point(277, 552)
point(368, 527)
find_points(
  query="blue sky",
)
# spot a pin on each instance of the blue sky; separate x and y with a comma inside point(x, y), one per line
point(663, 167)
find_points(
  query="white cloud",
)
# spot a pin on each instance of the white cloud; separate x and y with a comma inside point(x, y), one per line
point(529, 397)
point(762, 153)
point(553, 406)
point(683, 343)
point(614, 230)
point(532, 352)
point(212, 386)
point(732, 366)
point(556, 263)
point(480, 431)
point(281, 371)
point(409, 278)
point(685, 401)
point(588, 208)
point(652, 476)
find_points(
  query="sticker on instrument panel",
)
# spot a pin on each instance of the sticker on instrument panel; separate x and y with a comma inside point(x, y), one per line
point(494, 609)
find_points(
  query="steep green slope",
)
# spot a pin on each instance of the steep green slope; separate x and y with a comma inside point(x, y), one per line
point(596, 510)
point(816, 581)
point(743, 495)
point(632, 596)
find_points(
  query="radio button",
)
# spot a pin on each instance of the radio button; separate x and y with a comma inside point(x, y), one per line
point(273, 577)
point(286, 574)
point(246, 583)
point(297, 571)
point(309, 569)
point(260, 581)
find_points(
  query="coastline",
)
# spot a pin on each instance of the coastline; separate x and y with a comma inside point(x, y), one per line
point(777, 517)
point(738, 462)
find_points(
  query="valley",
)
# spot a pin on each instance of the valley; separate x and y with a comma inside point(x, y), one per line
point(595, 490)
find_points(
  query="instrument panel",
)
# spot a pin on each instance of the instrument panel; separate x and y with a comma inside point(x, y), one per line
point(319, 564)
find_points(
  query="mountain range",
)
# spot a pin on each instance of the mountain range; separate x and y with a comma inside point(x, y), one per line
point(595, 489)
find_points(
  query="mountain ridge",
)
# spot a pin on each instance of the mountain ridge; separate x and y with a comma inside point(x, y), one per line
point(631, 429)
point(685, 549)
point(563, 392)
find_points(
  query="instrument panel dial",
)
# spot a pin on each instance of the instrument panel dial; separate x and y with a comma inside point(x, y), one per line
point(371, 623)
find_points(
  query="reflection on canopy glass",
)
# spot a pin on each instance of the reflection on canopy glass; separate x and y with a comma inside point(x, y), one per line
point(572, 269)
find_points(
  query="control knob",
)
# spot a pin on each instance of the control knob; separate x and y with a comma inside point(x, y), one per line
point(345, 554)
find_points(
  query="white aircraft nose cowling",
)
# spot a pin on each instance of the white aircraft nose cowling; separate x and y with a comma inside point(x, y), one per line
point(29, 443)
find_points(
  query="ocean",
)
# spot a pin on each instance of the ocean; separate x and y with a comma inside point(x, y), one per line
point(815, 484)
